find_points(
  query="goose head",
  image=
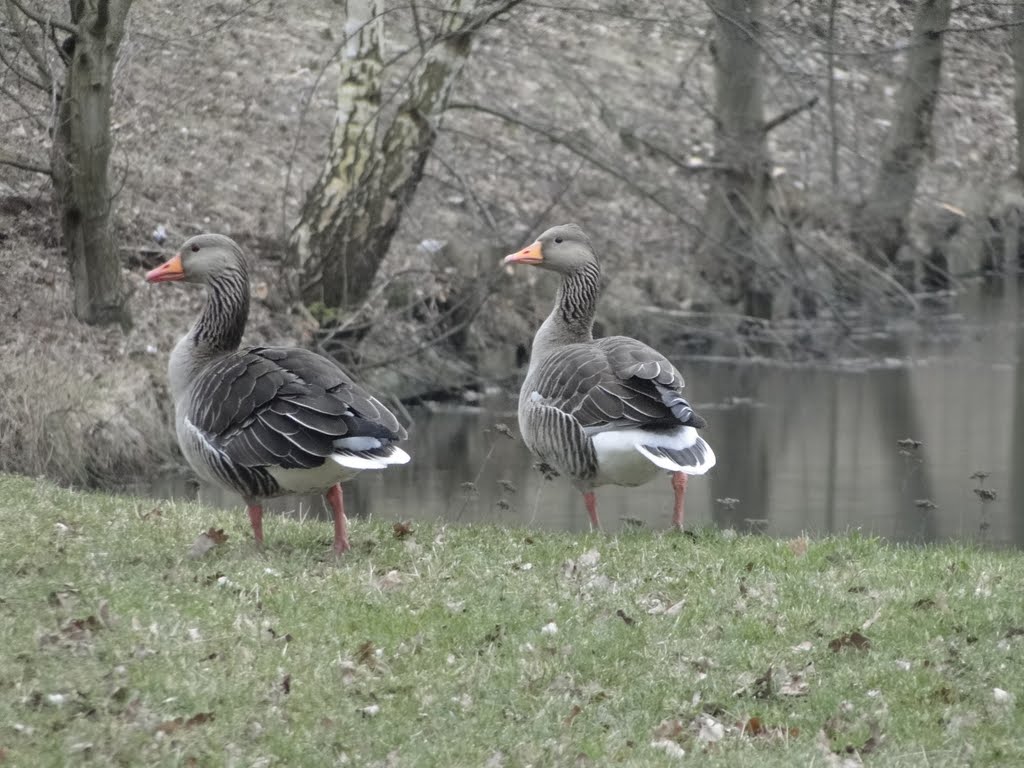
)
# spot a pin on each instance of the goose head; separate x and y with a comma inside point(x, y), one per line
point(200, 259)
point(565, 249)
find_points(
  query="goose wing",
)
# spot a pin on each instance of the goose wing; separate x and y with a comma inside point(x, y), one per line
point(287, 408)
point(615, 383)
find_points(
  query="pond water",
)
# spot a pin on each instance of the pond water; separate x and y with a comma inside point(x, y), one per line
point(800, 448)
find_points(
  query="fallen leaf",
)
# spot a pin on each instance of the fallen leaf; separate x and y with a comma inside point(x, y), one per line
point(1001, 696)
point(504, 429)
point(366, 654)
point(622, 615)
point(370, 711)
point(795, 686)
point(755, 727)
point(589, 559)
point(924, 602)
point(286, 684)
point(798, 546)
point(669, 747)
point(104, 612)
point(576, 709)
point(852, 640)
point(170, 726)
point(711, 730)
point(668, 729)
point(402, 529)
point(763, 687)
point(868, 624)
point(986, 494)
point(206, 541)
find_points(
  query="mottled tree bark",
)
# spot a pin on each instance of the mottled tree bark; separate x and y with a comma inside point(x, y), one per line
point(372, 170)
point(1017, 46)
point(737, 199)
point(80, 157)
point(880, 223)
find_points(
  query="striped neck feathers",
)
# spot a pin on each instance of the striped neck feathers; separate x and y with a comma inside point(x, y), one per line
point(572, 319)
point(220, 327)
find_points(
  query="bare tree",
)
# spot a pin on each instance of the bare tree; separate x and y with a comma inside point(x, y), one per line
point(1017, 44)
point(737, 199)
point(880, 222)
point(375, 164)
point(76, 73)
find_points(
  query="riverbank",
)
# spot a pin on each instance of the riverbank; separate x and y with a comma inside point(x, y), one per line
point(480, 645)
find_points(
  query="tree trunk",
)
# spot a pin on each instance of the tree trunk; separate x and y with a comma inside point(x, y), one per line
point(1017, 45)
point(356, 205)
point(737, 198)
point(80, 155)
point(880, 224)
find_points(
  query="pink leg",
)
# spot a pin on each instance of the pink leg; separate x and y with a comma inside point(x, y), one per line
point(679, 486)
point(341, 544)
point(256, 518)
point(590, 499)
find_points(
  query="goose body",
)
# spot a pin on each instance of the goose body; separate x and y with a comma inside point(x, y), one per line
point(266, 421)
point(606, 411)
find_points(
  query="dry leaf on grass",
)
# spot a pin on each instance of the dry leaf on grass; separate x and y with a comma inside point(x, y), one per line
point(669, 747)
point(171, 726)
point(755, 727)
point(851, 640)
point(670, 728)
point(630, 621)
point(402, 529)
point(798, 546)
point(209, 539)
point(367, 654)
point(573, 713)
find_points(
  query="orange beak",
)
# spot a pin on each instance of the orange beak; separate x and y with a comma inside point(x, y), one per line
point(169, 270)
point(531, 254)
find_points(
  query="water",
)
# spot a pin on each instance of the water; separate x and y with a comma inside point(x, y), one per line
point(800, 448)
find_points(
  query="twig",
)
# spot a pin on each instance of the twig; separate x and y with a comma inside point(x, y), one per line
point(20, 73)
point(43, 21)
point(39, 123)
point(24, 165)
point(792, 112)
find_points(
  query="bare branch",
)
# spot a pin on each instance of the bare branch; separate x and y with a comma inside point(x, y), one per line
point(33, 116)
point(25, 165)
point(22, 74)
point(42, 20)
point(790, 113)
point(580, 151)
point(22, 34)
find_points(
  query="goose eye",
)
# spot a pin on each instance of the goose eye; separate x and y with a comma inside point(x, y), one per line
point(558, 239)
point(195, 248)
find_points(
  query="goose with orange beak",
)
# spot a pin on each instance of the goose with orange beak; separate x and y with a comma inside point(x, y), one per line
point(606, 411)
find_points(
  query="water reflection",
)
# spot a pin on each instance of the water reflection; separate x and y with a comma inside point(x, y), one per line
point(800, 449)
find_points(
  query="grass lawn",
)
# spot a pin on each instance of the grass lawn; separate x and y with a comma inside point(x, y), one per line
point(487, 646)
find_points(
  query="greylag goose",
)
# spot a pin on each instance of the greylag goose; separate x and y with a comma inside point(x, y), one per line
point(266, 421)
point(601, 411)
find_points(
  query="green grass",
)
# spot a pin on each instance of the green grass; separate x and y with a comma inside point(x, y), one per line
point(430, 649)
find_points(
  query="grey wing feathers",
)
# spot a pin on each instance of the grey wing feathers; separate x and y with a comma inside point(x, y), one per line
point(616, 382)
point(284, 407)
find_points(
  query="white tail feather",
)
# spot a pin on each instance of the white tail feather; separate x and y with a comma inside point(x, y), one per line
point(665, 462)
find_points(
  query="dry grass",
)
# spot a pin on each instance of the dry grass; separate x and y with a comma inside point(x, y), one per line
point(93, 431)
